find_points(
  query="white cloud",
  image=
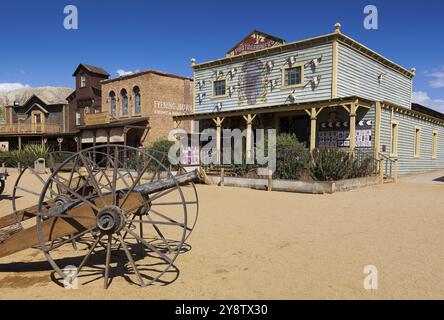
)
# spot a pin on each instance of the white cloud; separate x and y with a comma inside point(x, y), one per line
point(424, 99)
point(122, 72)
point(438, 82)
point(5, 87)
point(438, 78)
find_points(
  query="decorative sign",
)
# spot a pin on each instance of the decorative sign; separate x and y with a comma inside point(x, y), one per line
point(253, 81)
point(171, 108)
point(96, 118)
point(336, 134)
point(255, 41)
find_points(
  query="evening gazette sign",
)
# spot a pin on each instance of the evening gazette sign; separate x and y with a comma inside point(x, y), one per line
point(171, 108)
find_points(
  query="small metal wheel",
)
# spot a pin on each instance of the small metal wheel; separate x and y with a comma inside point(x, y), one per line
point(132, 224)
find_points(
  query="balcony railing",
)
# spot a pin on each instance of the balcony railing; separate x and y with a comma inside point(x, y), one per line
point(30, 128)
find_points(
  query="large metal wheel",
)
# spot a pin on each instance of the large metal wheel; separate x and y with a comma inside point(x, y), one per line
point(129, 217)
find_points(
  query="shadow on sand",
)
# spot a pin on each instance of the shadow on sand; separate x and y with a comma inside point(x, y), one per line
point(149, 265)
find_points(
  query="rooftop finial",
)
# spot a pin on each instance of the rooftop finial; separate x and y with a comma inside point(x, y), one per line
point(337, 27)
point(414, 71)
point(193, 62)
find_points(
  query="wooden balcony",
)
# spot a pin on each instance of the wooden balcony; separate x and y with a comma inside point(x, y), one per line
point(27, 128)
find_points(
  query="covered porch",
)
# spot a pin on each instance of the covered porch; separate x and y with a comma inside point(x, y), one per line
point(349, 123)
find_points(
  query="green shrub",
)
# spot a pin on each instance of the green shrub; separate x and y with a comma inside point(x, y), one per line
point(292, 157)
point(26, 156)
point(160, 150)
point(336, 164)
point(330, 165)
point(241, 169)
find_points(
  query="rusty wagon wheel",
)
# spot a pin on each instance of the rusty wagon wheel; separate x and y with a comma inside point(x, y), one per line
point(137, 214)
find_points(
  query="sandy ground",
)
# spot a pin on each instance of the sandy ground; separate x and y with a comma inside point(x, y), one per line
point(252, 244)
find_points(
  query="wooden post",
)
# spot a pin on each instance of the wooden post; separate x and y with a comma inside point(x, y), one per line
point(313, 119)
point(20, 142)
point(377, 139)
point(395, 176)
point(222, 177)
point(270, 181)
point(381, 171)
point(313, 113)
point(353, 109)
point(218, 121)
point(249, 119)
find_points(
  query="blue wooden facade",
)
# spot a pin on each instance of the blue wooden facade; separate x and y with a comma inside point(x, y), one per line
point(341, 87)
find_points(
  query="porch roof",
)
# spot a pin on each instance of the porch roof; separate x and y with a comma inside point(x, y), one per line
point(277, 108)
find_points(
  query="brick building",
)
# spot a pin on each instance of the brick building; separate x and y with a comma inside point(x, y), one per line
point(137, 109)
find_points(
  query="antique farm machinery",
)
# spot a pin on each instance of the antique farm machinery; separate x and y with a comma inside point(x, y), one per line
point(103, 211)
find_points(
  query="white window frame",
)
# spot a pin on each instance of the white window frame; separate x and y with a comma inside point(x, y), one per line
point(394, 138)
point(226, 88)
point(82, 81)
point(434, 144)
point(417, 142)
point(297, 85)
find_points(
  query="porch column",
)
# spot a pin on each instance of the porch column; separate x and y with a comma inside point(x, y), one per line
point(313, 113)
point(377, 129)
point(94, 144)
point(249, 119)
point(20, 142)
point(353, 108)
point(77, 140)
point(218, 121)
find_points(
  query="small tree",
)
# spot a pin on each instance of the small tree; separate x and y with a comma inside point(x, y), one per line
point(160, 150)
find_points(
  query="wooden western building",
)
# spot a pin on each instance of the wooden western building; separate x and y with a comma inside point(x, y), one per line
point(42, 118)
point(330, 91)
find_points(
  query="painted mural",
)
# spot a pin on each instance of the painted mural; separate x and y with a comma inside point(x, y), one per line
point(252, 85)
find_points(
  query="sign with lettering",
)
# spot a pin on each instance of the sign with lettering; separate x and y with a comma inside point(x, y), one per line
point(253, 42)
point(96, 118)
point(169, 108)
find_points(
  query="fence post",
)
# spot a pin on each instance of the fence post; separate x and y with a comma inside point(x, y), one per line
point(381, 171)
point(395, 176)
point(270, 180)
point(222, 176)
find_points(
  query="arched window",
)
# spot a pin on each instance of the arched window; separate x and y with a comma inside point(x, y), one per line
point(112, 103)
point(124, 96)
point(136, 95)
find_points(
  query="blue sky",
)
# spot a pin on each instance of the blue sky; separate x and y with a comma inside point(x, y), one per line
point(132, 35)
